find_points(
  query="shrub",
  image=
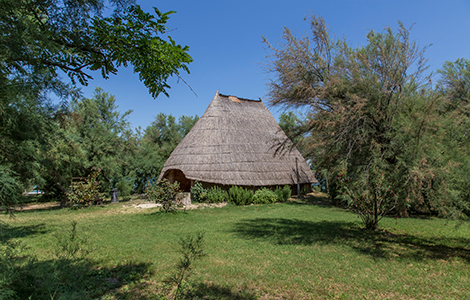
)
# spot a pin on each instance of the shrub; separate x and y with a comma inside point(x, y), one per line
point(304, 190)
point(124, 186)
point(283, 194)
point(12, 264)
point(264, 196)
point(164, 192)
point(70, 246)
point(216, 195)
point(199, 193)
point(85, 192)
point(240, 196)
point(10, 188)
point(192, 249)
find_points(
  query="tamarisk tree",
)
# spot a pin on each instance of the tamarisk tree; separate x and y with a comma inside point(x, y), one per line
point(369, 113)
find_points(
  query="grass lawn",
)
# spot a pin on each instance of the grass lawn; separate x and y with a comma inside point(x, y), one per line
point(280, 251)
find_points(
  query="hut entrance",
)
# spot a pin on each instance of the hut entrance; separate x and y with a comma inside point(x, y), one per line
point(177, 175)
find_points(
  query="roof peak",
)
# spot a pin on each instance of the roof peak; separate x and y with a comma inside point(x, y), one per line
point(236, 97)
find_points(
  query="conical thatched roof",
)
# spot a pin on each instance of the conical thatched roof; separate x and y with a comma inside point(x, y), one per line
point(234, 143)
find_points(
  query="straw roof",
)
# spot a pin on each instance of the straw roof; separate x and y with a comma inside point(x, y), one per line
point(234, 143)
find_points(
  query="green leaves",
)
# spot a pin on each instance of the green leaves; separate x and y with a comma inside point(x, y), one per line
point(371, 113)
point(41, 143)
point(85, 191)
point(133, 39)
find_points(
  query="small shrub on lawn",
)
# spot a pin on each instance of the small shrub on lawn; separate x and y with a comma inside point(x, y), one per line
point(192, 249)
point(199, 192)
point(283, 194)
point(216, 195)
point(70, 245)
point(264, 196)
point(164, 192)
point(240, 196)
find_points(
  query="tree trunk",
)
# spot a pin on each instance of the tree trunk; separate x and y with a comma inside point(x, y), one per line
point(376, 215)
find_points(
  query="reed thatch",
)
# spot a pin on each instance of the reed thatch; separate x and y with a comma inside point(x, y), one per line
point(235, 143)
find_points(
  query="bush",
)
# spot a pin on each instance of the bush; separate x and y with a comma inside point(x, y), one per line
point(85, 192)
point(199, 193)
point(10, 188)
point(164, 192)
point(124, 186)
point(283, 194)
point(12, 262)
point(70, 246)
point(216, 195)
point(264, 196)
point(240, 196)
point(192, 249)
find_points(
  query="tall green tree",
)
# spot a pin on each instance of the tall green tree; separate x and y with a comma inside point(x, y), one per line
point(156, 144)
point(41, 40)
point(90, 135)
point(454, 87)
point(370, 110)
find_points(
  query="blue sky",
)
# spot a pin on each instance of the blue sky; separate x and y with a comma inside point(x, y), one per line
point(225, 41)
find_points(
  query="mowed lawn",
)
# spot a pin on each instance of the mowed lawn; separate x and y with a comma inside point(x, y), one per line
point(279, 251)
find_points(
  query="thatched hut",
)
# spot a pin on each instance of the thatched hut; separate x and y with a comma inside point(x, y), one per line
point(236, 142)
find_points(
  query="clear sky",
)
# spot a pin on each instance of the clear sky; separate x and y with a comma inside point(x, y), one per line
point(225, 41)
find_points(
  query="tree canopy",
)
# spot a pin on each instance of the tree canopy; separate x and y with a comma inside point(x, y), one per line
point(41, 44)
point(374, 121)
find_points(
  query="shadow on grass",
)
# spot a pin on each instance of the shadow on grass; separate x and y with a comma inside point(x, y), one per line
point(211, 291)
point(312, 199)
point(378, 244)
point(8, 232)
point(76, 279)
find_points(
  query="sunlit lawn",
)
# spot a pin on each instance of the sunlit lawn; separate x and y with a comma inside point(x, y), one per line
point(278, 251)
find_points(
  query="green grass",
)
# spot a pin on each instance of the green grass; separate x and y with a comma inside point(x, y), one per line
point(277, 251)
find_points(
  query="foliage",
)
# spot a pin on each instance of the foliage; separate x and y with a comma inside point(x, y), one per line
point(156, 144)
point(192, 249)
point(453, 86)
point(70, 246)
point(291, 124)
point(216, 195)
point(371, 205)
point(12, 258)
point(39, 141)
point(83, 193)
point(10, 190)
point(164, 192)
point(198, 192)
point(95, 133)
point(240, 196)
point(264, 196)
point(75, 38)
point(283, 194)
point(369, 110)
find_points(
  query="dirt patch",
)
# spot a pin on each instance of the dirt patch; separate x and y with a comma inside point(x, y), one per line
point(190, 206)
point(205, 205)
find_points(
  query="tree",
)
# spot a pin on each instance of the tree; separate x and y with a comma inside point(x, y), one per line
point(454, 88)
point(155, 146)
point(42, 39)
point(369, 111)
